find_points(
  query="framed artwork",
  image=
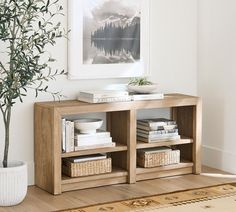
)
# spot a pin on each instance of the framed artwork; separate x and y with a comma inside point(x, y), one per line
point(108, 38)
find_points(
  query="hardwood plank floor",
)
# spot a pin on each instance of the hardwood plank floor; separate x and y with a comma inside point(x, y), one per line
point(38, 200)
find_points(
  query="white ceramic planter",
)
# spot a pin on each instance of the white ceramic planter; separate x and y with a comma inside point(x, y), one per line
point(13, 183)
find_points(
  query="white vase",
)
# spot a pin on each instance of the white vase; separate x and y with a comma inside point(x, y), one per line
point(13, 183)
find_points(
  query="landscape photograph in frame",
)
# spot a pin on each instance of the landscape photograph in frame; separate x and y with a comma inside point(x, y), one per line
point(111, 31)
point(108, 39)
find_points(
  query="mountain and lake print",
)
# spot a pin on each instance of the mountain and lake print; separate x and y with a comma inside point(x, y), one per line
point(111, 31)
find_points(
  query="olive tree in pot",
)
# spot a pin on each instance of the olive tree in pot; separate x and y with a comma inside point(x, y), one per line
point(27, 29)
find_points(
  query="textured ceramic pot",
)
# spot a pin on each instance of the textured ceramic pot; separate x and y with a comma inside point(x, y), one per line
point(13, 183)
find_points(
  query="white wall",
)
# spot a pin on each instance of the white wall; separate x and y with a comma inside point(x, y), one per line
point(216, 81)
point(173, 66)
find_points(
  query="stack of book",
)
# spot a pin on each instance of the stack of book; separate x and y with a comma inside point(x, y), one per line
point(157, 129)
point(100, 139)
point(103, 96)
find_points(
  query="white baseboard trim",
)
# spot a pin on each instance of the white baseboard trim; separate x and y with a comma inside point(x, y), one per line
point(219, 159)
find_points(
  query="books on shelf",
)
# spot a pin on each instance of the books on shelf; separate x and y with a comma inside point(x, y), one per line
point(79, 159)
point(157, 129)
point(150, 96)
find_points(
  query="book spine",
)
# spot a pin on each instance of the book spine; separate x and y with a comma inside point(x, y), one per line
point(113, 144)
point(69, 136)
point(93, 136)
point(103, 100)
point(152, 124)
point(103, 95)
point(157, 136)
point(147, 97)
point(93, 142)
point(157, 132)
point(63, 134)
point(148, 140)
point(87, 159)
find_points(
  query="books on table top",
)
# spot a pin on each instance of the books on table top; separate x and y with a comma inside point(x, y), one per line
point(102, 94)
point(104, 99)
point(96, 146)
point(149, 96)
point(84, 158)
point(154, 140)
point(155, 150)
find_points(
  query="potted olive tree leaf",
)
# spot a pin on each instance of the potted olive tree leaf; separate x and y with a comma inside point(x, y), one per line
point(27, 29)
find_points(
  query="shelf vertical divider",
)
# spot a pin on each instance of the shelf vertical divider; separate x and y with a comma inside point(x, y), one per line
point(131, 143)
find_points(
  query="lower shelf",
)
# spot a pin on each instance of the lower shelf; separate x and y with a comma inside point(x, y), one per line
point(115, 177)
point(164, 171)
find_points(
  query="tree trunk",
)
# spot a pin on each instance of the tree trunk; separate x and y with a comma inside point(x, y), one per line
point(7, 130)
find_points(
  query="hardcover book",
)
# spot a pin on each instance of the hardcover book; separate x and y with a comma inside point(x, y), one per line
point(105, 99)
point(151, 96)
point(148, 140)
point(86, 158)
point(102, 94)
point(78, 148)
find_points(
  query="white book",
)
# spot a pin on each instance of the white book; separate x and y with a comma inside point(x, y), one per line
point(155, 150)
point(102, 93)
point(113, 144)
point(157, 132)
point(93, 141)
point(98, 134)
point(157, 136)
point(105, 99)
point(152, 96)
point(87, 158)
point(63, 134)
point(69, 136)
point(148, 140)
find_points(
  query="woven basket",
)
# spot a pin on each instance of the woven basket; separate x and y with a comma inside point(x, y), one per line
point(147, 159)
point(86, 168)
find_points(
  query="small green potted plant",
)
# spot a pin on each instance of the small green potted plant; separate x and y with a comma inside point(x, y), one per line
point(27, 29)
point(141, 85)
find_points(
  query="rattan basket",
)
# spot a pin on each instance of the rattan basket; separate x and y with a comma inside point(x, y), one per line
point(86, 168)
point(147, 160)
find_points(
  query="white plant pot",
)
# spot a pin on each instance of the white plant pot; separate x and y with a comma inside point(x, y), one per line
point(13, 183)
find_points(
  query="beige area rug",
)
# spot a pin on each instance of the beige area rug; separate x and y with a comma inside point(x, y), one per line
point(220, 198)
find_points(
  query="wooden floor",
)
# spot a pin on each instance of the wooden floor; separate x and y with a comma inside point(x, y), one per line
point(39, 201)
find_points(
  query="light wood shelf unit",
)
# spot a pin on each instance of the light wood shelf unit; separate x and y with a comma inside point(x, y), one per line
point(121, 122)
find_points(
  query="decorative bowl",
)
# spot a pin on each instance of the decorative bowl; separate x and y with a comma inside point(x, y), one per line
point(142, 88)
point(88, 126)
